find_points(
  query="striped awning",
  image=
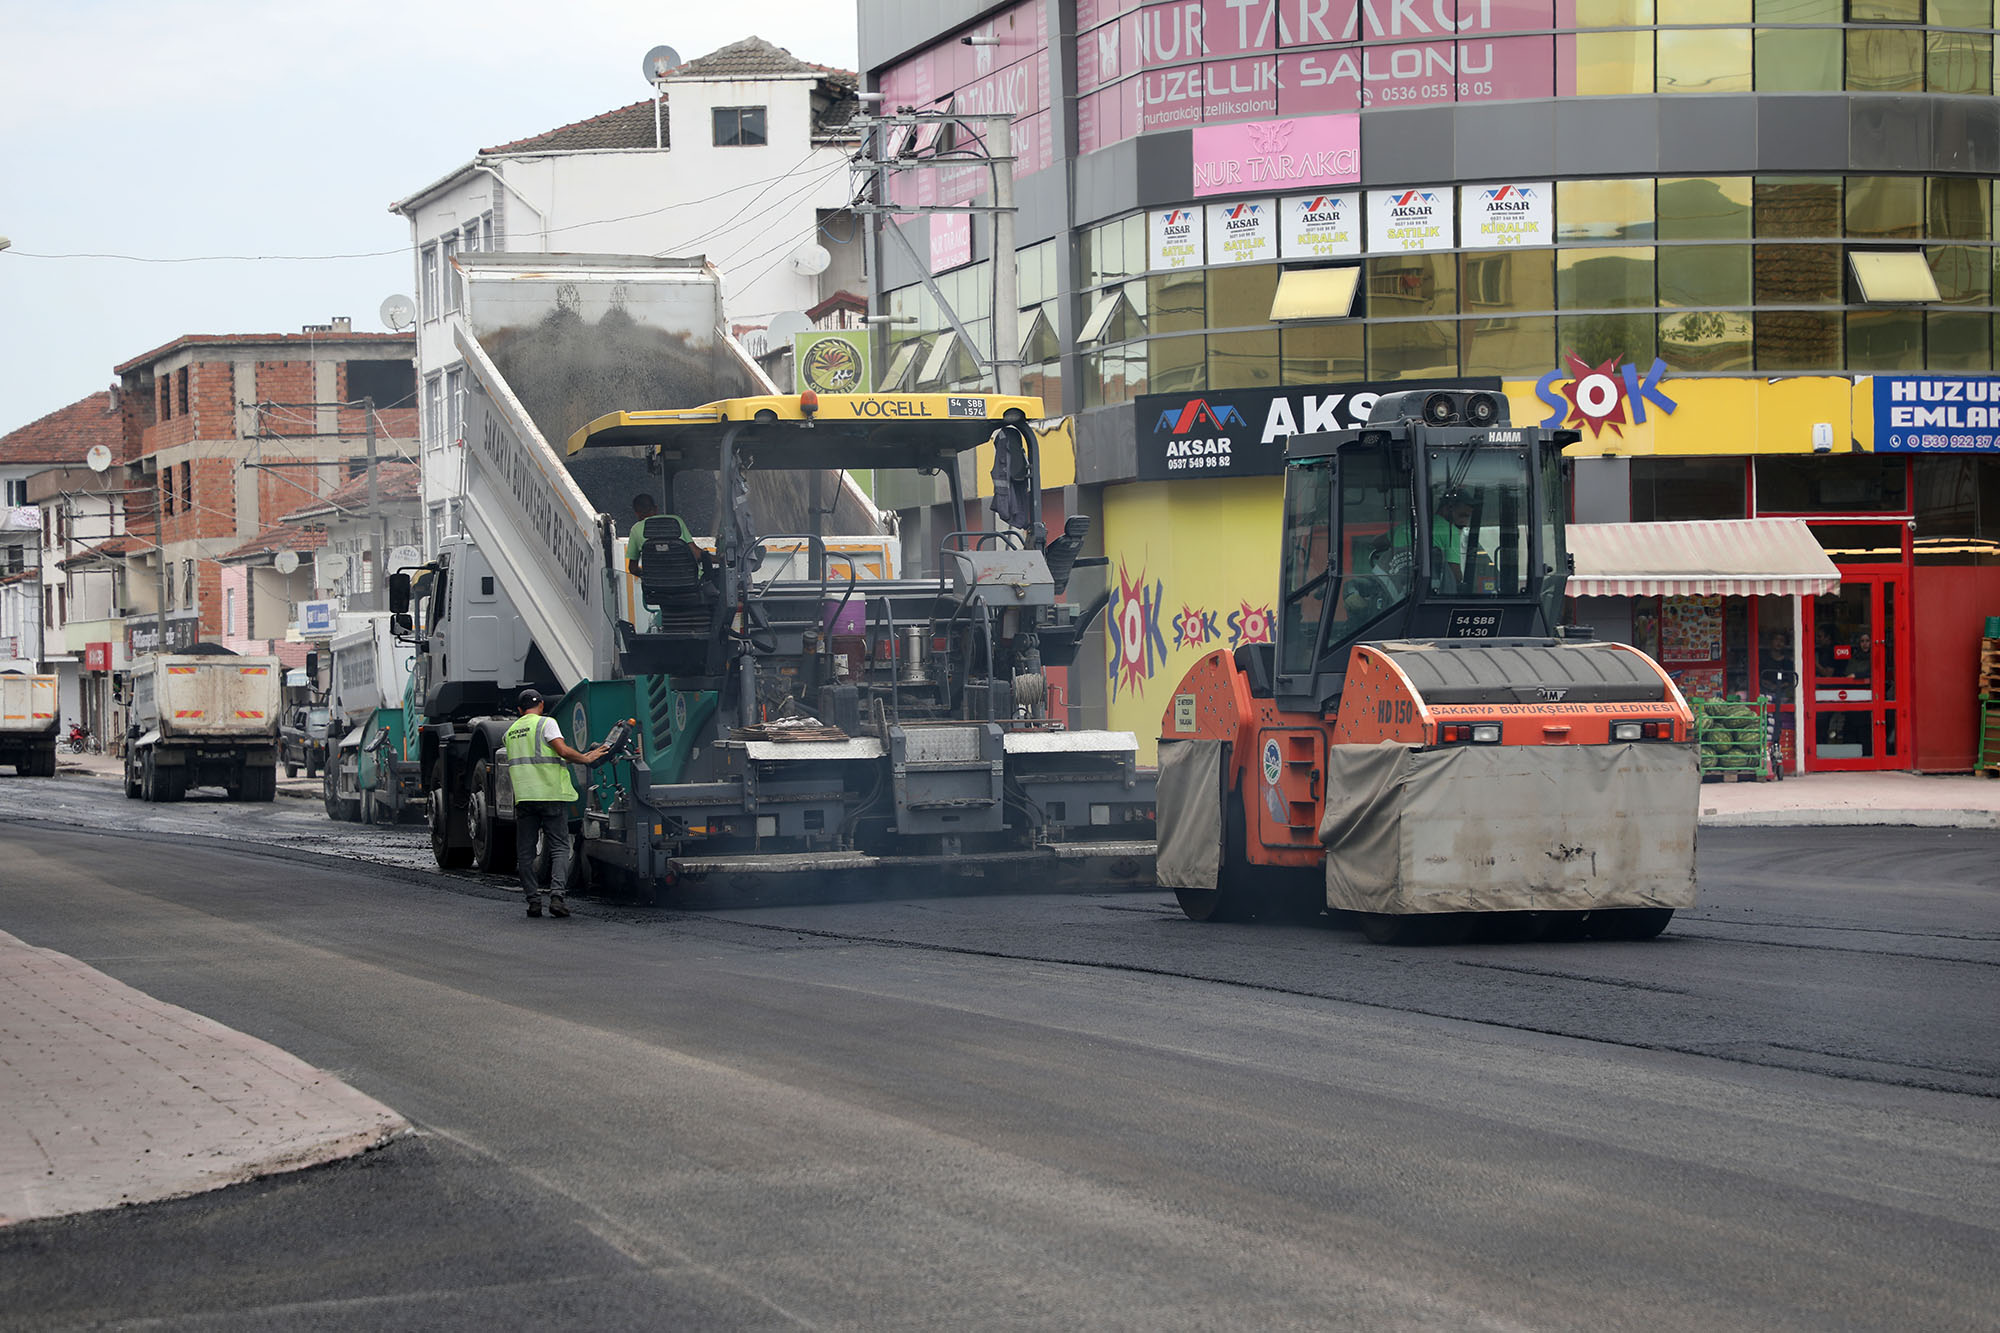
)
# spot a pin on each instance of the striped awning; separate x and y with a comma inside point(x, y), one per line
point(1744, 557)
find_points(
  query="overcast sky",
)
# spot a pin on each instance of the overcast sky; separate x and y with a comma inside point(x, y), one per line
point(171, 131)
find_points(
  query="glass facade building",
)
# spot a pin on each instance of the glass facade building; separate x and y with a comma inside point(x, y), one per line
point(1767, 213)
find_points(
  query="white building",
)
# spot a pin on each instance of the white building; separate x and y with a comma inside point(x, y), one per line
point(742, 159)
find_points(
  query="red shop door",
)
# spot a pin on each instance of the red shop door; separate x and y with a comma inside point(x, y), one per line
point(1856, 669)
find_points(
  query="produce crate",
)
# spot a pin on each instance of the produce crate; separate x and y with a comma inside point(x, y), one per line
point(1733, 738)
point(1989, 737)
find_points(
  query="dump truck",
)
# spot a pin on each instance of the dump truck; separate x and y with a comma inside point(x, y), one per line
point(28, 723)
point(1424, 749)
point(373, 774)
point(207, 718)
point(769, 718)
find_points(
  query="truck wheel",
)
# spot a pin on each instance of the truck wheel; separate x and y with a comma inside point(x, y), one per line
point(1630, 923)
point(492, 841)
point(46, 761)
point(172, 784)
point(448, 857)
point(149, 779)
point(257, 784)
point(131, 780)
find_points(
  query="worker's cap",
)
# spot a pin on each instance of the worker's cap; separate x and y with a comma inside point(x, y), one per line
point(529, 698)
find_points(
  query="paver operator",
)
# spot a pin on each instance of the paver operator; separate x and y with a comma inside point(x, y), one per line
point(538, 760)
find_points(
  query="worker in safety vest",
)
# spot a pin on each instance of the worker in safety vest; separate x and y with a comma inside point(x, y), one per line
point(538, 760)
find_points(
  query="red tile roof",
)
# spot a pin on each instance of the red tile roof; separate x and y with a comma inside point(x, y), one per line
point(276, 538)
point(395, 482)
point(750, 59)
point(66, 434)
point(116, 547)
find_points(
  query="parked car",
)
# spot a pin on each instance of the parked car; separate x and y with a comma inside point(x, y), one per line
point(302, 741)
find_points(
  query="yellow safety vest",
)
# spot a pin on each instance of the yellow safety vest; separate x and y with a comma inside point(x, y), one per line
point(537, 774)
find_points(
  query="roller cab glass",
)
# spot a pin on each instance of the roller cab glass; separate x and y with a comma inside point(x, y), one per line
point(1481, 517)
point(1307, 564)
point(1375, 560)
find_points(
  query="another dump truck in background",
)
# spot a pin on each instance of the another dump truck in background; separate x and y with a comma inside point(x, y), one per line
point(28, 724)
point(372, 769)
point(203, 719)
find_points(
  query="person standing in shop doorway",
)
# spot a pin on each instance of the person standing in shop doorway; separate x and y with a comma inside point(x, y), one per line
point(538, 760)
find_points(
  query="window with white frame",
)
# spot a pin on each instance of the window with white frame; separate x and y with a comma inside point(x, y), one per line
point(187, 589)
point(428, 270)
point(17, 494)
point(454, 403)
point(229, 612)
point(454, 293)
point(434, 410)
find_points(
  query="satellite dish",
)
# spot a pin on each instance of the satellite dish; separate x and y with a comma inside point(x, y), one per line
point(402, 557)
point(98, 458)
point(286, 561)
point(330, 567)
point(783, 326)
point(660, 61)
point(810, 259)
point(398, 313)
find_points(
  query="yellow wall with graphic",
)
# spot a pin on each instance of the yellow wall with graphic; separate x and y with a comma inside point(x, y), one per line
point(1194, 568)
point(1725, 416)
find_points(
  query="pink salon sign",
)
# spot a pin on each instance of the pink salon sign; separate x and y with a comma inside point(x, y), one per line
point(1262, 154)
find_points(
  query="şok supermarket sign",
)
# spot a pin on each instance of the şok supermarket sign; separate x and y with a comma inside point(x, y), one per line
point(1937, 414)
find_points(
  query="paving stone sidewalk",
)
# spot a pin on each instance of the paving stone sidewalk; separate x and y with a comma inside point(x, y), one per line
point(110, 1097)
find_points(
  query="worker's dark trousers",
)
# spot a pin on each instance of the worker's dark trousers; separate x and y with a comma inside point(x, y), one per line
point(551, 820)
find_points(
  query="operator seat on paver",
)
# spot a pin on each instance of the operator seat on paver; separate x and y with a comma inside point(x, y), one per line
point(678, 580)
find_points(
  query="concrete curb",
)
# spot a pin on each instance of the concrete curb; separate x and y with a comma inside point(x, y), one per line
point(1961, 819)
point(117, 1098)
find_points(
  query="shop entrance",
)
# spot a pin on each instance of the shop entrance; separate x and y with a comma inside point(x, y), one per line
point(1856, 672)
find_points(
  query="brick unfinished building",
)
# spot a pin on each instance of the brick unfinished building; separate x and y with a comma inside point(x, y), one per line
point(216, 430)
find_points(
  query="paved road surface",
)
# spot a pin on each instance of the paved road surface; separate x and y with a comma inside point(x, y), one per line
point(1054, 1112)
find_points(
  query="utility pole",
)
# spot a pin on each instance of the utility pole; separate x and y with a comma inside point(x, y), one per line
point(1004, 359)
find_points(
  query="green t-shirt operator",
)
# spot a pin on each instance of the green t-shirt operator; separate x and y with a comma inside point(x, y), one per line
point(644, 507)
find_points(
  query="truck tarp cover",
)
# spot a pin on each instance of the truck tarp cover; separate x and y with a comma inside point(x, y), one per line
point(1189, 804)
point(1505, 828)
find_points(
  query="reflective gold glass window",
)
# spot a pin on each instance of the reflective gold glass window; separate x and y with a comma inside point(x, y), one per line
point(1958, 62)
point(1418, 349)
point(1705, 340)
point(1703, 60)
point(1243, 360)
point(1798, 340)
point(1704, 208)
point(1885, 207)
point(1241, 294)
point(1402, 285)
point(1804, 206)
point(1799, 60)
point(1604, 13)
point(1885, 11)
point(1595, 279)
point(1514, 345)
point(1704, 275)
point(1598, 338)
point(1958, 209)
point(1885, 340)
point(1494, 281)
point(1956, 340)
point(1703, 11)
point(1614, 210)
point(1178, 364)
point(1609, 64)
point(1885, 60)
point(1964, 274)
point(1961, 13)
point(1178, 301)
point(1798, 275)
point(1322, 353)
point(1798, 11)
